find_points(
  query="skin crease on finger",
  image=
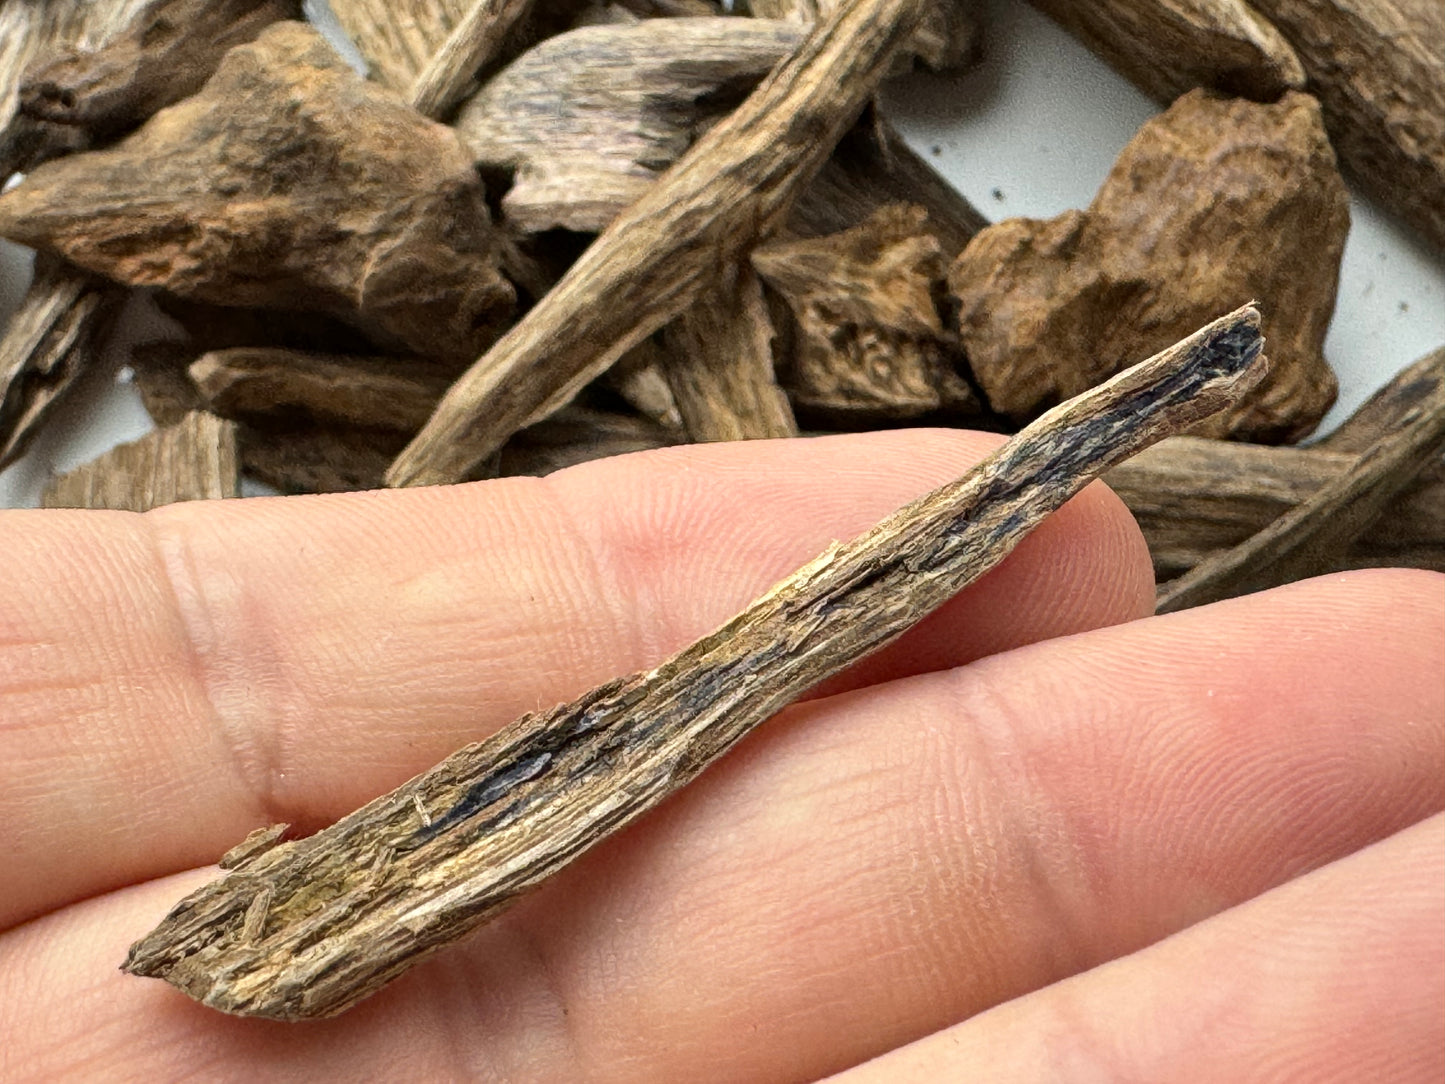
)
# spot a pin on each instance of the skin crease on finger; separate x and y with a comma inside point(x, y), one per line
point(865, 870)
point(172, 681)
point(1336, 976)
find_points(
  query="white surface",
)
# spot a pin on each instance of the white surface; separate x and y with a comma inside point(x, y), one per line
point(1033, 131)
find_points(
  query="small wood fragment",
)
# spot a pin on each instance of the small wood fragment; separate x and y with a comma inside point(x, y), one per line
point(588, 120)
point(872, 343)
point(1168, 47)
point(579, 433)
point(398, 38)
point(355, 905)
point(83, 98)
point(640, 381)
point(720, 366)
point(287, 182)
point(947, 41)
point(1378, 69)
point(734, 185)
point(194, 460)
point(48, 342)
point(474, 42)
point(311, 458)
point(872, 168)
point(31, 31)
point(1312, 536)
point(383, 393)
point(1212, 203)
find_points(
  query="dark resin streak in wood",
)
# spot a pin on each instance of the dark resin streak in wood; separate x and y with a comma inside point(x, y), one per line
point(344, 911)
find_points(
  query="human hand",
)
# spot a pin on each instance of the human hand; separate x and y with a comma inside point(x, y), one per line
point(927, 840)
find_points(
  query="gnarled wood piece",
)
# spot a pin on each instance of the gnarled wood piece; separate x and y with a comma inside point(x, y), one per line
point(656, 258)
point(193, 460)
point(1213, 203)
point(311, 458)
point(309, 928)
point(46, 345)
point(719, 366)
point(80, 99)
point(589, 119)
point(1167, 47)
point(31, 31)
point(1311, 537)
point(1378, 69)
point(287, 182)
point(870, 342)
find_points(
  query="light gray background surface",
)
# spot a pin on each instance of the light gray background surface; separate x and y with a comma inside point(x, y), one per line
point(1032, 131)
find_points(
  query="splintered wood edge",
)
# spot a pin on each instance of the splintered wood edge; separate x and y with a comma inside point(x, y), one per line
point(308, 928)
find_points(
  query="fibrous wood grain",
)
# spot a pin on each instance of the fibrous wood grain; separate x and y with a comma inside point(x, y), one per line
point(734, 185)
point(309, 927)
point(80, 98)
point(46, 345)
point(398, 38)
point(1193, 497)
point(383, 393)
point(1213, 203)
point(287, 182)
point(870, 342)
point(588, 120)
point(193, 460)
point(1312, 537)
point(474, 42)
point(1378, 68)
point(948, 39)
point(1167, 47)
point(719, 366)
point(306, 457)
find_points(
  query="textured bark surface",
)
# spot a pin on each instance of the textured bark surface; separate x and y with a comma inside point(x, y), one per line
point(1214, 203)
point(398, 38)
point(382, 393)
point(1378, 68)
point(1167, 47)
point(308, 928)
point(719, 366)
point(193, 460)
point(79, 99)
point(1314, 536)
point(588, 120)
point(870, 344)
point(735, 185)
point(47, 343)
point(287, 182)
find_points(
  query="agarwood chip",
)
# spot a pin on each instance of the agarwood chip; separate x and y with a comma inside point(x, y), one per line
point(193, 460)
point(287, 182)
point(1378, 69)
point(871, 343)
point(1213, 203)
point(82, 98)
point(589, 119)
point(1167, 47)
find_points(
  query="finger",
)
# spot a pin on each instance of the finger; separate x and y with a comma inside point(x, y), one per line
point(876, 866)
point(170, 682)
point(1339, 975)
